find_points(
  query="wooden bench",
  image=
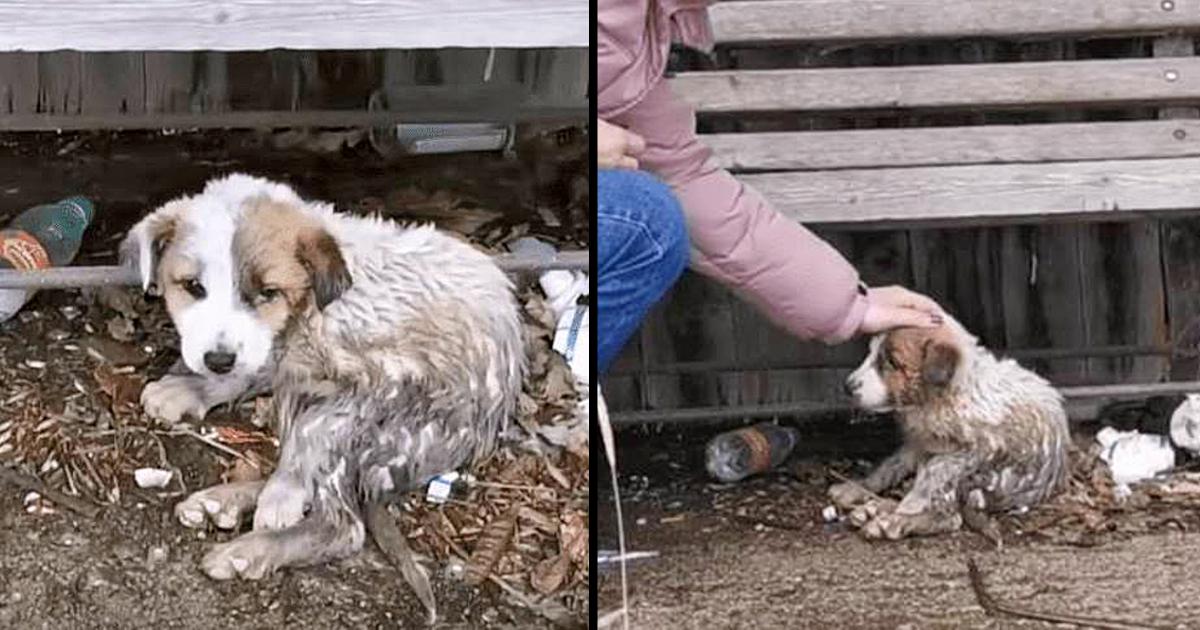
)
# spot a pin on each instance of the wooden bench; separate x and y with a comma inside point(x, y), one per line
point(978, 172)
point(999, 169)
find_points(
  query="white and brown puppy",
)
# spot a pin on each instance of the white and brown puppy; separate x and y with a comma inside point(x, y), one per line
point(981, 433)
point(394, 354)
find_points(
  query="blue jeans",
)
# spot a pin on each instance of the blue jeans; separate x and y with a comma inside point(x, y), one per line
point(643, 251)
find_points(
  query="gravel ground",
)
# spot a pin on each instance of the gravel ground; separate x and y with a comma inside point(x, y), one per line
point(757, 554)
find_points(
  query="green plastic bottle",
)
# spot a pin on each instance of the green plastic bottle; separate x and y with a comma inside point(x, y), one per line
point(41, 237)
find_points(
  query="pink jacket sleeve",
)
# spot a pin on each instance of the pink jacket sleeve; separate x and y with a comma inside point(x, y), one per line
point(798, 280)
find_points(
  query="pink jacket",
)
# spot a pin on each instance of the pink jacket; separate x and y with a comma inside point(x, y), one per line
point(798, 280)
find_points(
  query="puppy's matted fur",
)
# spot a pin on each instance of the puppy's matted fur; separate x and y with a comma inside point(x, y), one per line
point(394, 354)
point(981, 433)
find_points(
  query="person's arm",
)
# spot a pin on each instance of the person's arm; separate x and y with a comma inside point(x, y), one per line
point(796, 279)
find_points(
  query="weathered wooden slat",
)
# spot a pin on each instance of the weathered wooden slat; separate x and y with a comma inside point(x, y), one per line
point(113, 82)
point(865, 148)
point(1106, 190)
point(18, 83)
point(998, 85)
point(837, 20)
point(95, 25)
point(170, 78)
point(60, 82)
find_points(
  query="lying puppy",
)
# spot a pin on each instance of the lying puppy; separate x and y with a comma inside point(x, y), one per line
point(393, 353)
point(981, 433)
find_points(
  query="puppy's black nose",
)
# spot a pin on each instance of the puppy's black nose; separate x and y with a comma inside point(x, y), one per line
point(849, 387)
point(219, 362)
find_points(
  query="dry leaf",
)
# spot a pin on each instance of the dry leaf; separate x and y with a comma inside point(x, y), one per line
point(557, 474)
point(492, 543)
point(573, 538)
point(115, 352)
point(549, 574)
point(124, 390)
point(560, 381)
point(120, 328)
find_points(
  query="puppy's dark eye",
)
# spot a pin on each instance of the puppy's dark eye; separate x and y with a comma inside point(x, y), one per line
point(269, 294)
point(887, 360)
point(194, 288)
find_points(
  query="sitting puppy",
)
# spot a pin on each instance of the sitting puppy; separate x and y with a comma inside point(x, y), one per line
point(980, 433)
point(394, 354)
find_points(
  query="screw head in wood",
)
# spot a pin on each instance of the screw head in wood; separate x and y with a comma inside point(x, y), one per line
point(1168, 5)
point(1179, 134)
point(1171, 75)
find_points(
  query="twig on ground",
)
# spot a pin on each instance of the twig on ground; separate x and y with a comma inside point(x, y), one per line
point(211, 442)
point(773, 524)
point(843, 478)
point(996, 608)
point(26, 482)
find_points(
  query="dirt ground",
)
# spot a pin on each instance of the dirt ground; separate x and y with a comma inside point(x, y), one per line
point(758, 555)
point(133, 566)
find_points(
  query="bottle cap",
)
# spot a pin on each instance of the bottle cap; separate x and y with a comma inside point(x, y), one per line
point(83, 207)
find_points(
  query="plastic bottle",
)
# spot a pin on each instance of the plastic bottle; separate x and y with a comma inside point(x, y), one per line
point(735, 455)
point(43, 236)
point(567, 294)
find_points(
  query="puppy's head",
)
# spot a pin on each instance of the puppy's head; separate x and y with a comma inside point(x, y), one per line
point(910, 367)
point(235, 272)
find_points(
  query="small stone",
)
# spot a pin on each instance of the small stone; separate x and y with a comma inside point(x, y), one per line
point(58, 334)
point(29, 316)
point(156, 556)
point(641, 521)
point(69, 313)
point(71, 539)
point(35, 364)
point(829, 514)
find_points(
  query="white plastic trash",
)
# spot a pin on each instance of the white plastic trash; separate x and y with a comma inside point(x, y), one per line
point(152, 477)
point(1185, 424)
point(1134, 456)
point(564, 290)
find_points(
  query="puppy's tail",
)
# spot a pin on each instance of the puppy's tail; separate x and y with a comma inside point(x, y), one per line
point(391, 542)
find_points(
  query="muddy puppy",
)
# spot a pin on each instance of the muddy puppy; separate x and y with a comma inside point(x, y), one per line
point(981, 433)
point(394, 353)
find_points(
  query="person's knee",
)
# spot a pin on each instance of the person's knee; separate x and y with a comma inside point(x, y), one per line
point(640, 198)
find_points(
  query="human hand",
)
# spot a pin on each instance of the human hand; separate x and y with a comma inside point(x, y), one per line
point(617, 147)
point(897, 307)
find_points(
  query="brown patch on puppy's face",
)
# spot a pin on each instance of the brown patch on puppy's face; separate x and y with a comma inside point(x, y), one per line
point(916, 365)
point(288, 265)
point(906, 367)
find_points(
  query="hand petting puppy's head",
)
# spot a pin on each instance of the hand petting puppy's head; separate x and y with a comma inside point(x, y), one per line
point(235, 264)
point(910, 367)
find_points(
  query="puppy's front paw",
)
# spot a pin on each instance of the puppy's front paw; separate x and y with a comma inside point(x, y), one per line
point(848, 494)
point(282, 503)
point(223, 505)
point(871, 510)
point(247, 557)
point(172, 398)
point(891, 526)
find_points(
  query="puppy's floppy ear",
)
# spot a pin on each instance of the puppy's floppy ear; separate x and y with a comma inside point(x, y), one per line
point(939, 363)
point(143, 247)
point(322, 258)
